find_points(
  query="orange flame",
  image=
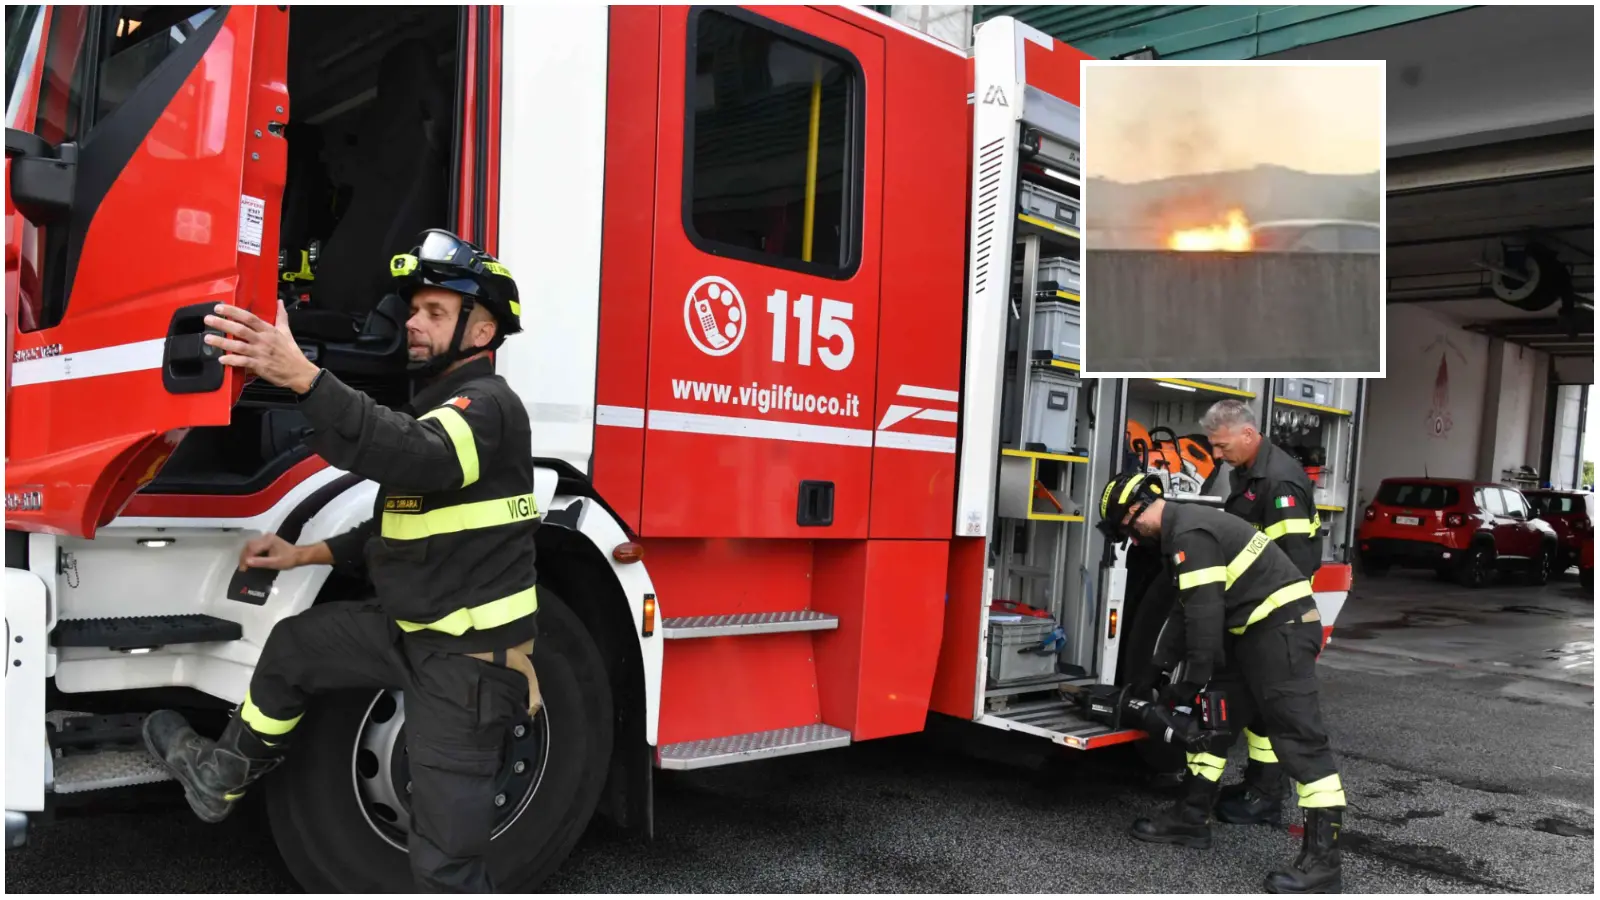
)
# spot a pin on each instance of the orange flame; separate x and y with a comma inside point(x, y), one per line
point(1235, 235)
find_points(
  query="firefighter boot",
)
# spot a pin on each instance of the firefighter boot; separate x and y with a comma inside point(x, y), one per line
point(213, 774)
point(1186, 821)
point(1258, 800)
point(1316, 869)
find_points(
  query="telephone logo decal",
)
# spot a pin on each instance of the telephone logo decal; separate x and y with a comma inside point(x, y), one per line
point(714, 315)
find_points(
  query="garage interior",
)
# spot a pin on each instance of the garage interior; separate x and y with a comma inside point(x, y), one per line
point(1490, 254)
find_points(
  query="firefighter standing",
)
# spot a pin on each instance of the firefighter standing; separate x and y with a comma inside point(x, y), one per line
point(1239, 597)
point(1270, 490)
point(449, 549)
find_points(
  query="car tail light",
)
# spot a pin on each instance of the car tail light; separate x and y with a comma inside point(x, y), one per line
point(1455, 520)
point(1369, 515)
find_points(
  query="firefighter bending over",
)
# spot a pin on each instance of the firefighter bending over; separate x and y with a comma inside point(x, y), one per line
point(449, 548)
point(1239, 596)
point(1270, 490)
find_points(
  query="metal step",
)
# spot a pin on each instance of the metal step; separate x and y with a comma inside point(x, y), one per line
point(745, 624)
point(77, 731)
point(76, 773)
point(740, 748)
point(144, 632)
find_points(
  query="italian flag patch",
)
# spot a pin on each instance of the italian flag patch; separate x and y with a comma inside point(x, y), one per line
point(1179, 557)
point(1283, 502)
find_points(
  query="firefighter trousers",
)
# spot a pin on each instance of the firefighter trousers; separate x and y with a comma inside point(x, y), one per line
point(1272, 688)
point(458, 710)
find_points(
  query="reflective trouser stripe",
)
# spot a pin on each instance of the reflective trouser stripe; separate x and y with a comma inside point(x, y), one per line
point(261, 723)
point(455, 425)
point(1260, 748)
point(461, 517)
point(1289, 526)
point(490, 615)
point(1201, 576)
point(1323, 793)
point(1206, 765)
point(1274, 600)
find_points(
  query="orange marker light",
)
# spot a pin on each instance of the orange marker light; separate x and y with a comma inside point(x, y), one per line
point(649, 614)
point(627, 552)
point(1113, 632)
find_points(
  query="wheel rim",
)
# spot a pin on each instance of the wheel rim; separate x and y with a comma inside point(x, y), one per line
point(380, 771)
point(1480, 566)
point(1544, 566)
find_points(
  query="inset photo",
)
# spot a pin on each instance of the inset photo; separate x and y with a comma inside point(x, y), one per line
point(1233, 218)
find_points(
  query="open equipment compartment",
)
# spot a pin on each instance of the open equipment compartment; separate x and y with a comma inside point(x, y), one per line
point(1048, 624)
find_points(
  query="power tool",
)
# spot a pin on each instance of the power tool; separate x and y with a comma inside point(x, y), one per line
point(1192, 724)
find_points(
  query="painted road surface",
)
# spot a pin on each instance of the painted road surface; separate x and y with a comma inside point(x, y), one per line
point(1464, 721)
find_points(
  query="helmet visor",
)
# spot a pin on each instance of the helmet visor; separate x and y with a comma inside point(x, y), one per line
point(443, 249)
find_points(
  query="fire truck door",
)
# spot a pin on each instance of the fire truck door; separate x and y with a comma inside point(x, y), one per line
point(145, 166)
point(764, 313)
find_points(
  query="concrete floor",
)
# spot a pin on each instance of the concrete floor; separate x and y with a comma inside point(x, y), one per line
point(1464, 721)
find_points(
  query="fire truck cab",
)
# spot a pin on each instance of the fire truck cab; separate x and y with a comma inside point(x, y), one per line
point(814, 455)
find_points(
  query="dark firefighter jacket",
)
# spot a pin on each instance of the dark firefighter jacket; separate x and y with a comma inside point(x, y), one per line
point(1229, 578)
point(1276, 496)
point(449, 546)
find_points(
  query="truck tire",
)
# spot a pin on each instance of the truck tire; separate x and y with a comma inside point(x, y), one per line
point(326, 805)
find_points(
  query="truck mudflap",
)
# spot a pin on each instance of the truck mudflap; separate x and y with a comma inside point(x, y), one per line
point(27, 746)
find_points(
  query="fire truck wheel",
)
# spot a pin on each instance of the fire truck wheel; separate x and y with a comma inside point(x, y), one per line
point(339, 810)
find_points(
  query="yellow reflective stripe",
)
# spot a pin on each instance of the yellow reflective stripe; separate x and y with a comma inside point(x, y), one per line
point(516, 309)
point(461, 517)
point(1127, 490)
point(460, 433)
point(1277, 598)
point(1290, 526)
point(1246, 557)
point(1198, 577)
point(490, 615)
point(1260, 748)
point(1322, 793)
point(1206, 765)
point(496, 268)
point(1316, 522)
point(261, 723)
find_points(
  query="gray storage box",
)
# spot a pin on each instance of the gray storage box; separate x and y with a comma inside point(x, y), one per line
point(1052, 417)
point(1006, 664)
point(1049, 205)
point(1309, 390)
point(1055, 329)
point(1061, 270)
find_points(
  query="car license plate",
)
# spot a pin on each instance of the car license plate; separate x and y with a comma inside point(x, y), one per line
point(1407, 520)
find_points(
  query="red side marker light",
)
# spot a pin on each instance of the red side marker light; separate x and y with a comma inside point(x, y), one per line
point(627, 552)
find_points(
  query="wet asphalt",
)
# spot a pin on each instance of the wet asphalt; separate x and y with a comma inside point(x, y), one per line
point(1464, 721)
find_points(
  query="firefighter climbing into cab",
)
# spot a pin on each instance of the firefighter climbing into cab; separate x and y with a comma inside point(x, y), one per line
point(449, 549)
point(1270, 490)
point(1240, 601)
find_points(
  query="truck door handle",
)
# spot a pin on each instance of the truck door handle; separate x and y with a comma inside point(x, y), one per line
point(188, 364)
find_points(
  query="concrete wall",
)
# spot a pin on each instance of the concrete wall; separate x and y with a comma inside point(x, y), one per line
point(1413, 425)
point(1166, 312)
point(1521, 372)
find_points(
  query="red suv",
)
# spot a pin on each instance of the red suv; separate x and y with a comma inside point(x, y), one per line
point(1568, 515)
point(1464, 529)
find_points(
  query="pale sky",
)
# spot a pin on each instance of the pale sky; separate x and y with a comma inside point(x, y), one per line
point(1143, 123)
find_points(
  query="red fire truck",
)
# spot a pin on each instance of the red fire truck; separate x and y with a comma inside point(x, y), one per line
point(814, 452)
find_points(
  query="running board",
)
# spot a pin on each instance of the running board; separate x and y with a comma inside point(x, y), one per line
point(746, 624)
point(144, 632)
point(100, 753)
point(1060, 721)
point(740, 748)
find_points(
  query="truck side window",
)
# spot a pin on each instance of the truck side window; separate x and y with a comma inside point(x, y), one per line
point(773, 141)
point(19, 34)
point(95, 59)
